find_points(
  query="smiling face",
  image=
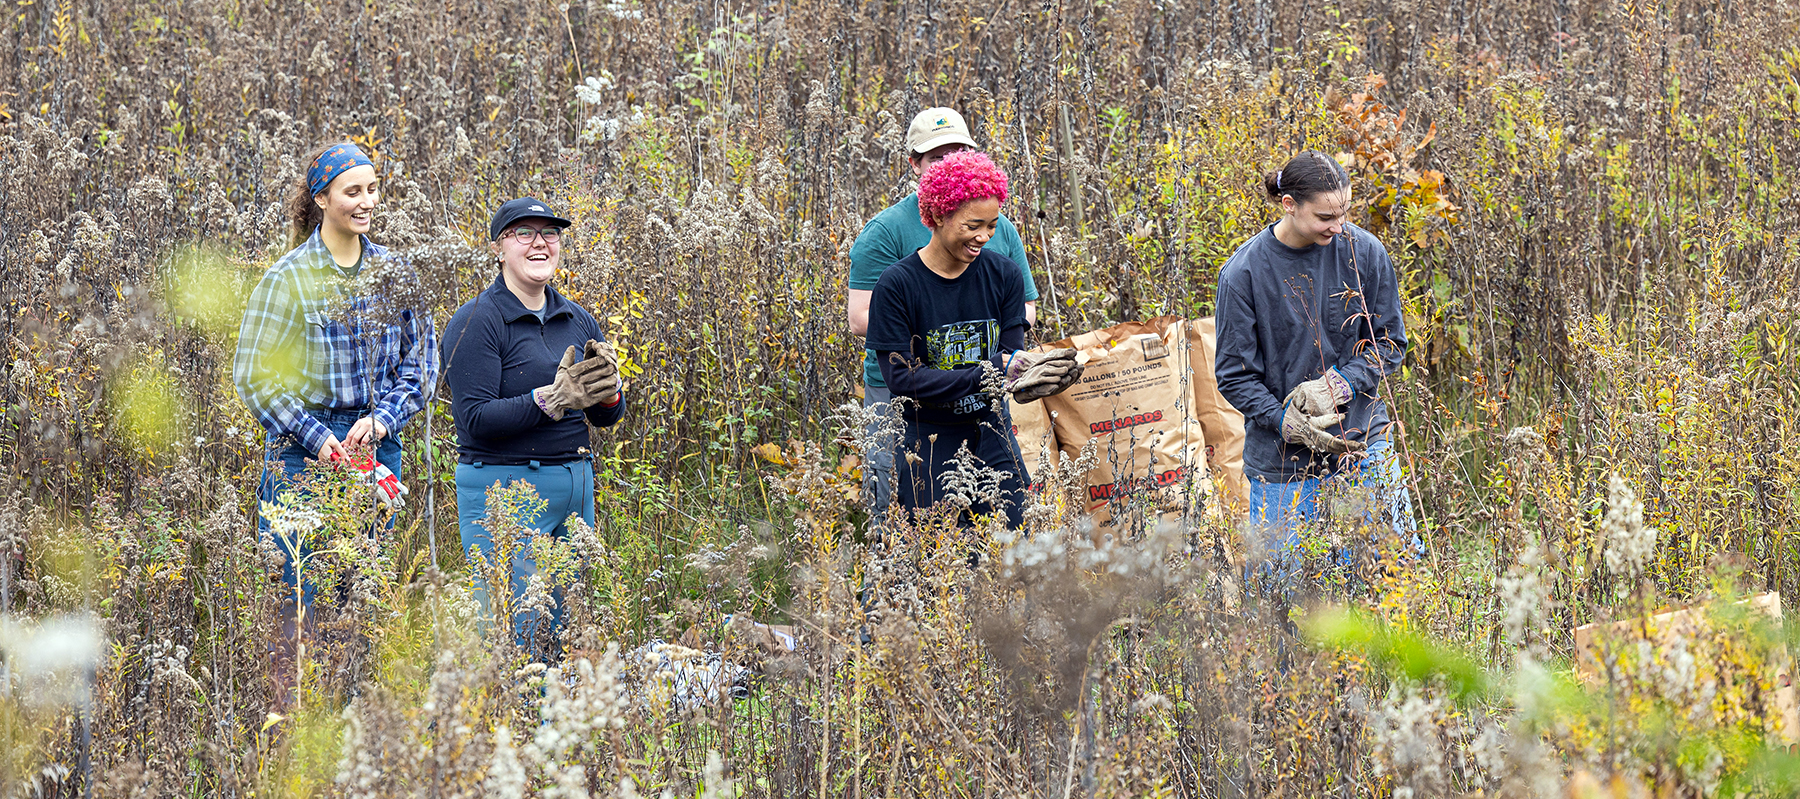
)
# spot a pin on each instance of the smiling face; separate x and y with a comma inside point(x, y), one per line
point(528, 265)
point(349, 202)
point(968, 230)
point(1320, 219)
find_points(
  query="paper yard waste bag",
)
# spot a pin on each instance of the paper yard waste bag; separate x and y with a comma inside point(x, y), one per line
point(1135, 402)
point(1221, 424)
point(1037, 442)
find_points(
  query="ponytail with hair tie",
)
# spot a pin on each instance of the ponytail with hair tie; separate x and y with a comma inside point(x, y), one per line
point(1315, 173)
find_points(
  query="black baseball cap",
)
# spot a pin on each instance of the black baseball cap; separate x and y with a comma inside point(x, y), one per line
point(522, 208)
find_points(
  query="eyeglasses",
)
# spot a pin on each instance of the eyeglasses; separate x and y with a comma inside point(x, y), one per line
point(524, 235)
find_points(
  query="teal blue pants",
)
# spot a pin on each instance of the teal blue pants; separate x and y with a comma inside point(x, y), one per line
point(566, 488)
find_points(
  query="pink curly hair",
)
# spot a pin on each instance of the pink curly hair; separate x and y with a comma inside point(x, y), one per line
point(956, 179)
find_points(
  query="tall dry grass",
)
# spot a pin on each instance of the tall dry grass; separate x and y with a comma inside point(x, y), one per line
point(1592, 208)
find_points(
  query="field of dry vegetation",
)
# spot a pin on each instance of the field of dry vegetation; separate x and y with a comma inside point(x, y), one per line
point(1592, 205)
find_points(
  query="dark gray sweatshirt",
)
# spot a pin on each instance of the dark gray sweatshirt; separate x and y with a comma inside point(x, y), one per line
point(1284, 316)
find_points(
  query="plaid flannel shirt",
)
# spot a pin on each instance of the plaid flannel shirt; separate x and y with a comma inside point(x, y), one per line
point(305, 344)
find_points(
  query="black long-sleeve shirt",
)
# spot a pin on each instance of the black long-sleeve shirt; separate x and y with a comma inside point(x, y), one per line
point(908, 376)
point(931, 334)
point(495, 351)
point(1287, 314)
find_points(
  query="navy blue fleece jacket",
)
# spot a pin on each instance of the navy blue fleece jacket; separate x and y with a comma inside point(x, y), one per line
point(495, 351)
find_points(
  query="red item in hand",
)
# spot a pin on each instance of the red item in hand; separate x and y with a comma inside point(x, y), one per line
point(388, 487)
point(386, 484)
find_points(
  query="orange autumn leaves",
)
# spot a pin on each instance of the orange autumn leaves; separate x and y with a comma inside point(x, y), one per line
point(1413, 199)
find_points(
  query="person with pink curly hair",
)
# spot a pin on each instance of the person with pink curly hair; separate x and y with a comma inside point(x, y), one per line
point(945, 322)
point(964, 177)
point(889, 236)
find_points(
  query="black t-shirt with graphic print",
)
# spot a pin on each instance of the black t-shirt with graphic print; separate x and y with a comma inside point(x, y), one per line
point(942, 329)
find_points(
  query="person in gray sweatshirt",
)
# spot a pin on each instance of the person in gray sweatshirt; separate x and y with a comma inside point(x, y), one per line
point(1309, 326)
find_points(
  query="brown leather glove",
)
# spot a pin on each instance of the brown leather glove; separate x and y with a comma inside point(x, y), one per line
point(1321, 396)
point(606, 370)
point(1036, 375)
point(1300, 427)
point(579, 385)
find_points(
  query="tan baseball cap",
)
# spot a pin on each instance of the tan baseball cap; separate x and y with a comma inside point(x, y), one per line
point(936, 127)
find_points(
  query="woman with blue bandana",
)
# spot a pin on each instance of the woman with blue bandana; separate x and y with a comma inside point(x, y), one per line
point(324, 366)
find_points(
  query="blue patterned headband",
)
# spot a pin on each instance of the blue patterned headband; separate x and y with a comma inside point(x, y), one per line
point(333, 162)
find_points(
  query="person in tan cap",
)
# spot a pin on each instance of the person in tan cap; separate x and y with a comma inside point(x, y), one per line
point(892, 235)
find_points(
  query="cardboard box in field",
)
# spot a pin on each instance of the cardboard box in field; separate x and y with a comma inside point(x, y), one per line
point(1661, 629)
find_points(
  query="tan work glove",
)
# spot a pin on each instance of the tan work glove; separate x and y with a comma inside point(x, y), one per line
point(1033, 376)
point(579, 384)
point(1300, 427)
point(606, 370)
point(1321, 396)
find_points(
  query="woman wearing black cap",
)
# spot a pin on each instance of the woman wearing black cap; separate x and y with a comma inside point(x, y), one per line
point(529, 372)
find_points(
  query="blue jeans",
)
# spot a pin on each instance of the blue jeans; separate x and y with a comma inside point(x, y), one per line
point(566, 489)
point(1374, 488)
point(292, 457)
